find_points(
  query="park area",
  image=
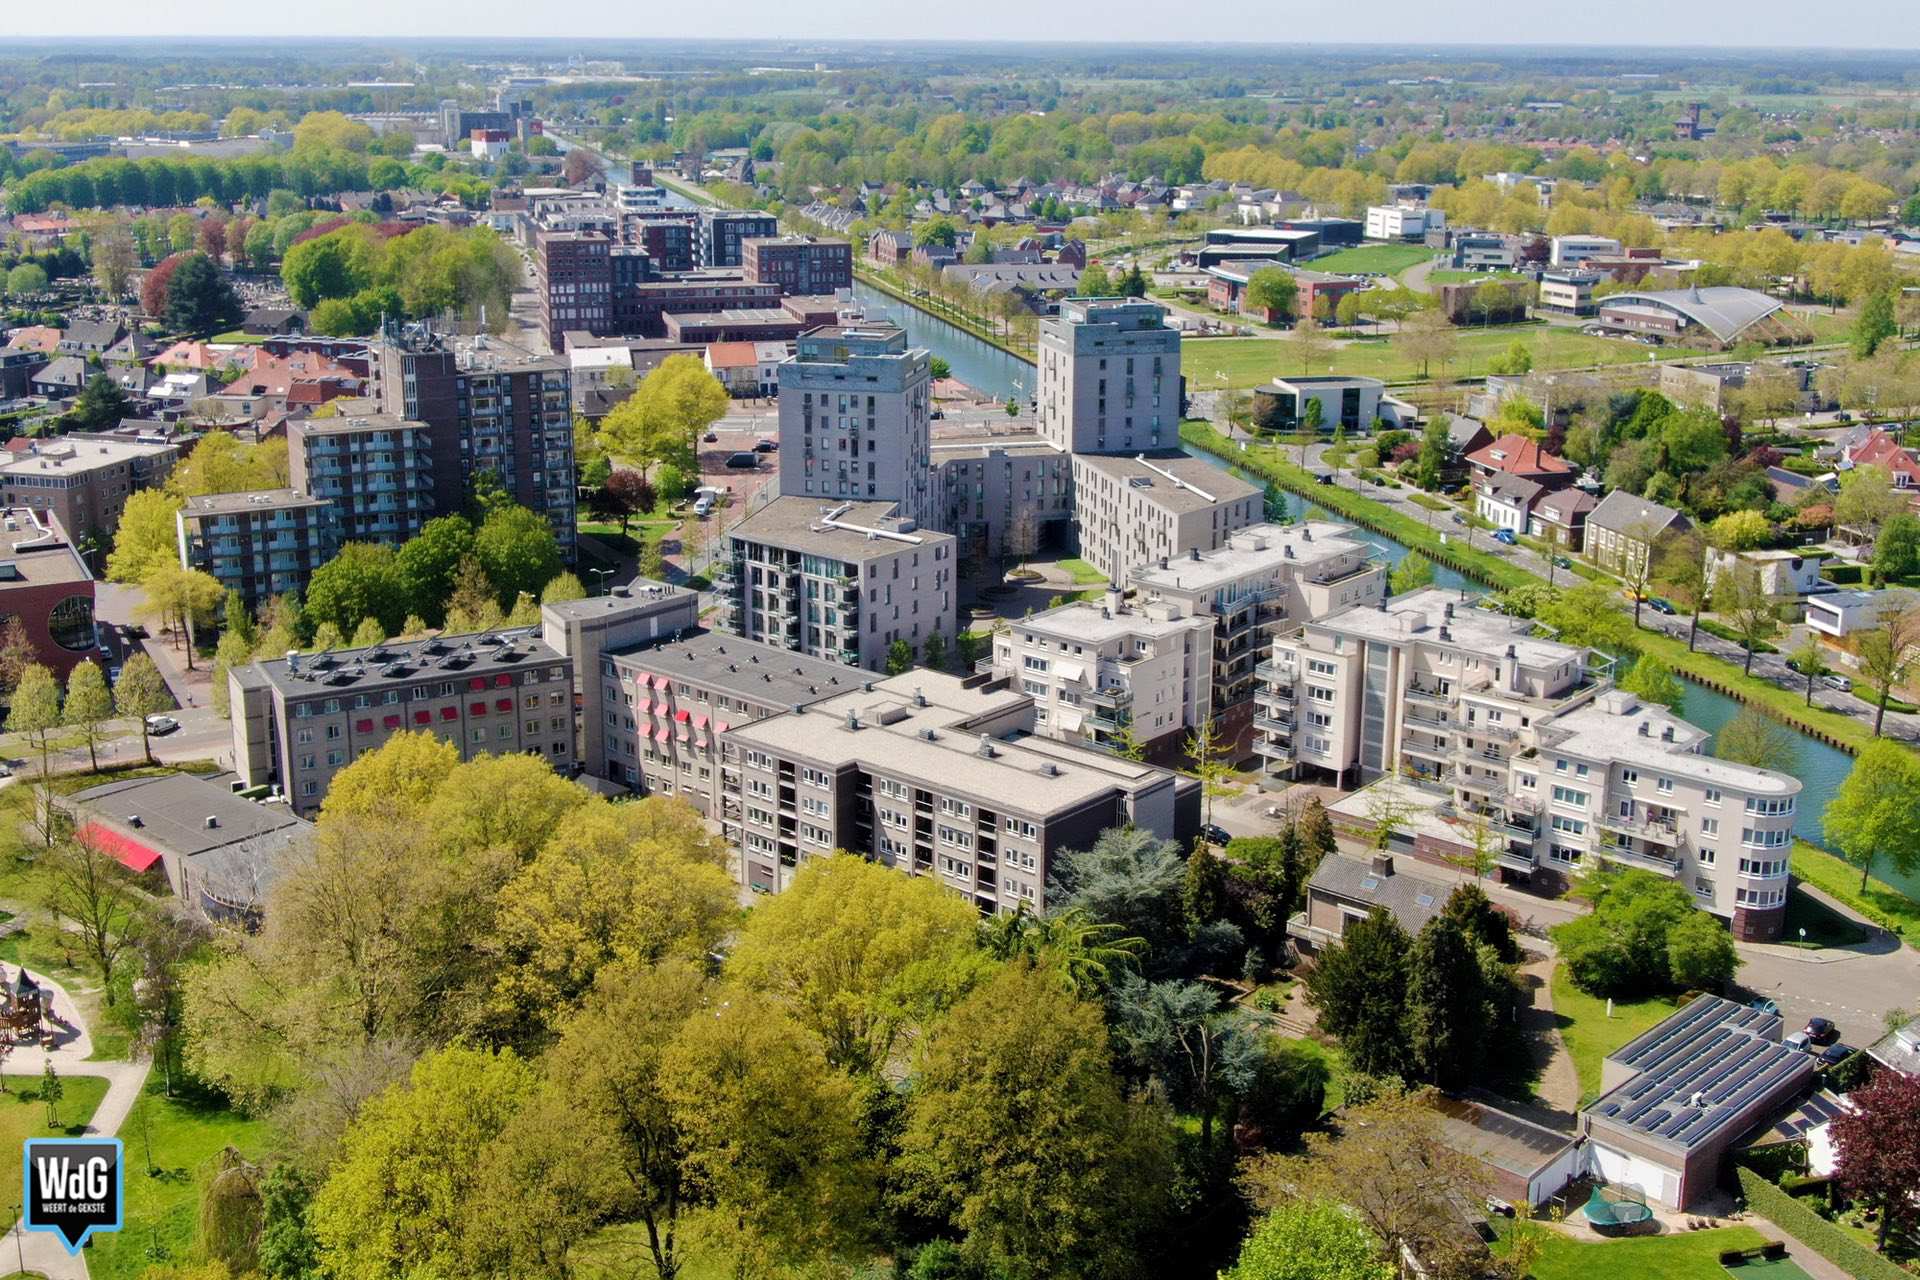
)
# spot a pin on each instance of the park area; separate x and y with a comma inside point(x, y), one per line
point(1388, 259)
point(1694, 1255)
point(1251, 362)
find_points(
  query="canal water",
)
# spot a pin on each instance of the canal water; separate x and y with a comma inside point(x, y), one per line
point(1820, 768)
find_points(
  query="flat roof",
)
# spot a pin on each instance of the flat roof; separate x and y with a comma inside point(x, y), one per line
point(1497, 1137)
point(351, 424)
point(1175, 480)
point(208, 504)
point(456, 657)
point(67, 455)
point(1092, 622)
point(37, 551)
point(1712, 1064)
point(855, 531)
point(1256, 549)
point(1419, 615)
point(172, 810)
point(622, 598)
point(743, 668)
point(938, 741)
point(1610, 728)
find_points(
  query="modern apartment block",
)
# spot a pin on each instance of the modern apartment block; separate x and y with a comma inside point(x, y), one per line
point(725, 232)
point(573, 281)
point(377, 469)
point(854, 419)
point(932, 778)
point(799, 264)
point(1099, 673)
point(1003, 498)
point(1265, 579)
point(1135, 511)
point(489, 406)
point(837, 580)
point(299, 720)
point(1492, 724)
point(83, 481)
point(1109, 377)
point(633, 616)
point(262, 543)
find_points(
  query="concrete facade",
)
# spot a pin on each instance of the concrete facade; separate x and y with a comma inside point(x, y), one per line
point(1109, 377)
point(1135, 511)
point(84, 481)
point(260, 544)
point(855, 405)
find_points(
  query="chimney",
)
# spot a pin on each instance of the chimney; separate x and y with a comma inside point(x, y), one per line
point(1116, 599)
point(986, 746)
point(1382, 864)
point(919, 698)
point(212, 822)
point(853, 719)
point(1666, 733)
point(1644, 730)
point(1193, 553)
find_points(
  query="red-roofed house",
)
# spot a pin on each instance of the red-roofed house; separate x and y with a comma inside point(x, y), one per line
point(736, 365)
point(1515, 455)
point(1878, 449)
point(39, 337)
point(196, 357)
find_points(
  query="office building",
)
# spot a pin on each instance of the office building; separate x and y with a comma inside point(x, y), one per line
point(1402, 222)
point(799, 264)
point(1491, 724)
point(489, 406)
point(262, 543)
point(84, 481)
point(724, 233)
point(376, 469)
point(45, 583)
point(1569, 252)
point(573, 281)
point(854, 419)
point(1108, 673)
point(299, 720)
point(1135, 511)
point(1265, 579)
point(1351, 403)
point(933, 778)
point(1567, 293)
point(1109, 377)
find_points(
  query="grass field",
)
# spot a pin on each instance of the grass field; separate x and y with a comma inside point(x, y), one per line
point(1083, 573)
point(1590, 1034)
point(1389, 258)
point(1249, 362)
point(1881, 903)
point(162, 1210)
point(1694, 1255)
point(23, 1115)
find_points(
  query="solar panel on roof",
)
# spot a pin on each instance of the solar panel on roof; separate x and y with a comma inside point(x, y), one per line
point(1370, 882)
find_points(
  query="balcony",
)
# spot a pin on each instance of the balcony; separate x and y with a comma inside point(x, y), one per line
point(1635, 858)
point(1429, 697)
point(983, 667)
point(1643, 829)
point(1112, 695)
point(1429, 718)
point(1425, 751)
point(1274, 699)
point(1282, 673)
point(1273, 750)
point(1108, 721)
point(1516, 860)
point(1272, 724)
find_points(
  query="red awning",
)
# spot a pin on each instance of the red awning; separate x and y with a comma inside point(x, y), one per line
point(663, 735)
point(721, 726)
point(423, 717)
point(502, 680)
point(683, 715)
point(477, 682)
point(503, 704)
point(129, 852)
point(449, 713)
point(391, 722)
point(700, 721)
point(363, 726)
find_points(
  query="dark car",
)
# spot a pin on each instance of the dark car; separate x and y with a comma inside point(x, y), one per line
point(1214, 834)
point(745, 460)
point(1662, 606)
point(1836, 1053)
point(765, 446)
point(1821, 1031)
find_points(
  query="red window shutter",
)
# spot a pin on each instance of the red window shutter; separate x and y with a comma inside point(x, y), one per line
point(503, 704)
point(391, 722)
point(363, 726)
point(502, 681)
point(477, 682)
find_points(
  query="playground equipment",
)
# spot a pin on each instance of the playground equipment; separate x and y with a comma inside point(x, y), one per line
point(1614, 1208)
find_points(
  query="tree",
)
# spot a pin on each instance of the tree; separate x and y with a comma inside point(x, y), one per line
point(1212, 758)
point(518, 552)
point(1700, 954)
point(428, 561)
point(200, 298)
point(859, 954)
point(1809, 661)
point(769, 1134)
point(35, 713)
point(1411, 574)
point(1886, 656)
point(362, 581)
point(189, 597)
point(1877, 1139)
point(1680, 566)
point(1868, 499)
point(88, 707)
point(158, 282)
point(1436, 449)
point(627, 494)
point(1655, 682)
point(1740, 531)
point(1175, 1032)
point(397, 1201)
point(1753, 737)
point(101, 403)
point(1360, 988)
point(95, 899)
point(1741, 597)
point(1093, 282)
point(16, 654)
point(27, 278)
point(141, 692)
point(1271, 291)
point(1427, 338)
point(1310, 343)
point(1874, 325)
point(1311, 1240)
point(1514, 362)
point(659, 423)
point(1286, 1094)
point(52, 1090)
point(1203, 892)
point(1875, 816)
point(1896, 552)
point(1620, 948)
point(1449, 1010)
point(899, 657)
point(1067, 1148)
point(168, 941)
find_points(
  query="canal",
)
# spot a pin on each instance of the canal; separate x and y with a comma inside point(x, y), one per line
point(1820, 768)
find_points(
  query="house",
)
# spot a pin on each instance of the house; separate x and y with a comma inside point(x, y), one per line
point(90, 337)
point(1507, 501)
point(60, 378)
point(39, 337)
point(1465, 435)
point(1353, 402)
point(1877, 448)
point(273, 320)
point(1345, 889)
point(1784, 574)
point(1516, 455)
point(1561, 518)
point(736, 366)
point(889, 248)
point(1399, 222)
point(1839, 614)
point(1571, 251)
point(1899, 1049)
point(1622, 529)
point(1680, 1095)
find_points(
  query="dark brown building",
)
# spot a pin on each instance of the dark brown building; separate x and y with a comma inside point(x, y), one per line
point(799, 264)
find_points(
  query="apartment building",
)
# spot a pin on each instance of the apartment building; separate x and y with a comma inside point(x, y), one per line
point(376, 469)
point(669, 237)
point(1265, 579)
point(1567, 293)
point(855, 406)
point(299, 720)
point(1003, 498)
point(1569, 252)
point(724, 234)
point(46, 585)
point(932, 778)
point(642, 307)
point(261, 543)
point(489, 406)
point(1135, 511)
point(573, 281)
point(635, 615)
point(837, 580)
point(798, 264)
point(1103, 673)
point(1489, 725)
point(1109, 377)
point(83, 481)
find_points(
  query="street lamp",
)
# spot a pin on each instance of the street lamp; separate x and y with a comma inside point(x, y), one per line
point(600, 577)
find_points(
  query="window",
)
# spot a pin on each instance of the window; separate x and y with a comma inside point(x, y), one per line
point(1630, 777)
point(1713, 795)
point(1770, 807)
point(1570, 826)
point(1320, 668)
point(1569, 796)
point(1709, 826)
point(1664, 786)
point(1706, 857)
point(1765, 839)
point(1319, 694)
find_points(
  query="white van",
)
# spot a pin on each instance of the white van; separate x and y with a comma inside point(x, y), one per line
point(703, 506)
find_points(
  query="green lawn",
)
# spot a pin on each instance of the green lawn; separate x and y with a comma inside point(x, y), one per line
point(1881, 903)
point(23, 1115)
point(1249, 362)
point(1784, 704)
point(1084, 574)
point(234, 335)
point(1768, 1269)
point(181, 1135)
point(1590, 1034)
point(1823, 926)
point(1691, 1255)
point(1390, 258)
point(1447, 275)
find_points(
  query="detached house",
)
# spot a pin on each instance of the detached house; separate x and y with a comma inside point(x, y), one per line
point(1621, 531)
point(1516, 455)
point(1561, 518)
point(1878, 449)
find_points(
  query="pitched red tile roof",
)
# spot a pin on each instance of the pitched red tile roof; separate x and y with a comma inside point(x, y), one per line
point(731, 355)
point(1881, 450)
point(1517, 455)
point(39, 337)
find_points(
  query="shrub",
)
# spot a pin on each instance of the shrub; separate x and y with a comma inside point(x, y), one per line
point(1825, 1239)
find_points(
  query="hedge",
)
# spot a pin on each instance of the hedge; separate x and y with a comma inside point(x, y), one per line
point(1814, 1231)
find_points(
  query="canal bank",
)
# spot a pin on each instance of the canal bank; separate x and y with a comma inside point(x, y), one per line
point(982, 364)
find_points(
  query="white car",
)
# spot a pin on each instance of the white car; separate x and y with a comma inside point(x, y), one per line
point(161, 724)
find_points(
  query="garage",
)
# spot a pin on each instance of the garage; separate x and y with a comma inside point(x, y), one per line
point(1623, 1168)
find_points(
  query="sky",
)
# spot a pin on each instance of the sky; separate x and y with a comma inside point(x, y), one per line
point(1876, 24)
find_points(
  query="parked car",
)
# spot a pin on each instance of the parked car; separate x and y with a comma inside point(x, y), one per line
point(1836, 1053)
point(161, 725)
point(703, 506)
point(1843, 416)
point(1561, 562)
point(1504, 537)
point(1764, 1005)
point(1457, 518)
point(766, 446)
point(1841, 683)
point(1821, 1031)
point(1797, 1042)
point(1215, 834)
point(1659, 605)
point(712, 437)
point(745, 460)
